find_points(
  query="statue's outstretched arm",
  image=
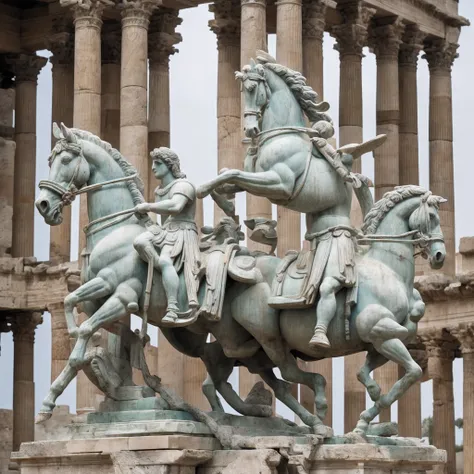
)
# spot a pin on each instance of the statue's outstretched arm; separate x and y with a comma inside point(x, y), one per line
point(172, 206)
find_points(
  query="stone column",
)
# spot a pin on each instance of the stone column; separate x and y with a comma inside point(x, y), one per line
point(354, 391)
point(408, 132)
point(134, 81)
point(7, 160)
point(110, 97)
point(440, 346)
point(26, 68)
point(253, 36)
point(289, 52)
point(87, 79)
point(386, 34)
point(60, 341)
point(440, 55)
point(61, 44)
point(23, 327)
point(465, 335)
point(161, 45)
point(226, 26)
point(409, 406)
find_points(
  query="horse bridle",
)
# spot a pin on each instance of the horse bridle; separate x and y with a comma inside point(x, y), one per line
point(69, 192)
point(258, 78)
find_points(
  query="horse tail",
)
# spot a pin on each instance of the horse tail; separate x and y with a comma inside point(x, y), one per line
point(364, 195)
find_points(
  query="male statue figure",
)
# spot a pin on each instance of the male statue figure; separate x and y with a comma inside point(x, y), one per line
point(174, 244)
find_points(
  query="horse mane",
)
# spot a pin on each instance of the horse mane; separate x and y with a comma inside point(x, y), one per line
point(390, 199)
point(304, 94)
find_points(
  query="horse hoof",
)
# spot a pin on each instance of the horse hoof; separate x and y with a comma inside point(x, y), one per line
point(43, 416)
point(132, 307)
point(322, 430)
point(202, 192)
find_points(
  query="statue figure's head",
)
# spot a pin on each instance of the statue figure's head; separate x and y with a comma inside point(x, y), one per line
point(165, 161)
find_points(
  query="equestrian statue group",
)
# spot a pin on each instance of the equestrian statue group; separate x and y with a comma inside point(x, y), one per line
point(352, 290)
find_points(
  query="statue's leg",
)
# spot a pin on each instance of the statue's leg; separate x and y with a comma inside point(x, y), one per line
point(99, 287)
point(113, 309)
point(373, 361)
point(57, 388)
point(282, 391)
point(219, 368)
point(170, 283)
point(325, 311)
point(210, 392)
point(277, 183)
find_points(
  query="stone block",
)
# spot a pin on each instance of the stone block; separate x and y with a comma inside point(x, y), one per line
point(466, 249)
point(137, 415)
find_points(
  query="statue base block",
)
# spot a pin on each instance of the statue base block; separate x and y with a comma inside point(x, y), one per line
point(188, 454)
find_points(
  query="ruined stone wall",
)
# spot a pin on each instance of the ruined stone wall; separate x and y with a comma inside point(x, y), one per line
point(6, 437)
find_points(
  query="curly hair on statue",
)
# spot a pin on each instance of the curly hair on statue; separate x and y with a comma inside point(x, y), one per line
point(170, 159)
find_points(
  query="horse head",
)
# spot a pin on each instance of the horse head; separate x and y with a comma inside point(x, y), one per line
point(425, 219)
point(256, 94)
point(69, 171)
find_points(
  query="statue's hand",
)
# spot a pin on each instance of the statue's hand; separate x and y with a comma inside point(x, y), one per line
point(142, 208)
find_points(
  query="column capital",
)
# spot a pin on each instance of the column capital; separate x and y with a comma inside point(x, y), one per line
point(111, 44)
point(439, 343)
point(440, 54)
point(411, 45)
point(137, 12)
point(23, 325)
point(162, 36)
point(61, 41)
point(25, 67)
point(385, 37)
point(352, 34)
point(464, 333)
point(314, 19)
point(87, 12)
point(226, 22)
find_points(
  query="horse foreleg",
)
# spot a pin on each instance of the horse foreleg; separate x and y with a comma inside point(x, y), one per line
point(98, 287)
point(266, 183)
point(57, 388)
point(396, 351)
point(116, 307)
point(373, 361)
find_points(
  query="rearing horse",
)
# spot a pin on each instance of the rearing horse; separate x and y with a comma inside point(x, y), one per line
point(284, 166)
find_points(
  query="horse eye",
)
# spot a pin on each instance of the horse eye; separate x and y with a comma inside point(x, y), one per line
point(66, 160)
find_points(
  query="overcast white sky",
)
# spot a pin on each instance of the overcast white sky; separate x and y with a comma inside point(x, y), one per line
point(194, 137)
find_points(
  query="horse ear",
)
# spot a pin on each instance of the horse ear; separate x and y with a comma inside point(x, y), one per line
point(442, 200)
point(263, 57)
point(57, 131)
point(252, 62)
point(238, 75)
point(68, 135)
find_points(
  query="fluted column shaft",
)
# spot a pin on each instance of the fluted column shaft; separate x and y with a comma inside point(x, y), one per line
point(465, 335)
point(26, 68)
point(23, 327)
point(253, 36)
point(161, 45)
point(61, 45)
point(440, 56)
point(289, 52)
point(440, 369)
point(226, 26)
point(386, 38)
point(133, 86)
point(110, 97)
point(408, 131)
point(351, 37)
point(60, 341)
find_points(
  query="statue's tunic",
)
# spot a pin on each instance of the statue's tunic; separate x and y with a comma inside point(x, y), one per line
point(181, 233)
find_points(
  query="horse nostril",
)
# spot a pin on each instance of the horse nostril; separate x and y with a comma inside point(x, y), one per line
point(439, 257)
point(43, 206)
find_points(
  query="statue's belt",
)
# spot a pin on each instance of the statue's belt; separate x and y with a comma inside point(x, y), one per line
point(332, 230)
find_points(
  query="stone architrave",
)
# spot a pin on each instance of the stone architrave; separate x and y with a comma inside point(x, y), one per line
point(465, 335)
point(162, 39)
point(134, 83)
point(26, 68)
point(23, 326)
point(385, 39)
point(253, 37)
point(289, 52)
point(440, 346)
point(440, 56)
point(110, 97)
point(226, 26)
point(351, 37)
point(412, 44)
point(61, 44)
